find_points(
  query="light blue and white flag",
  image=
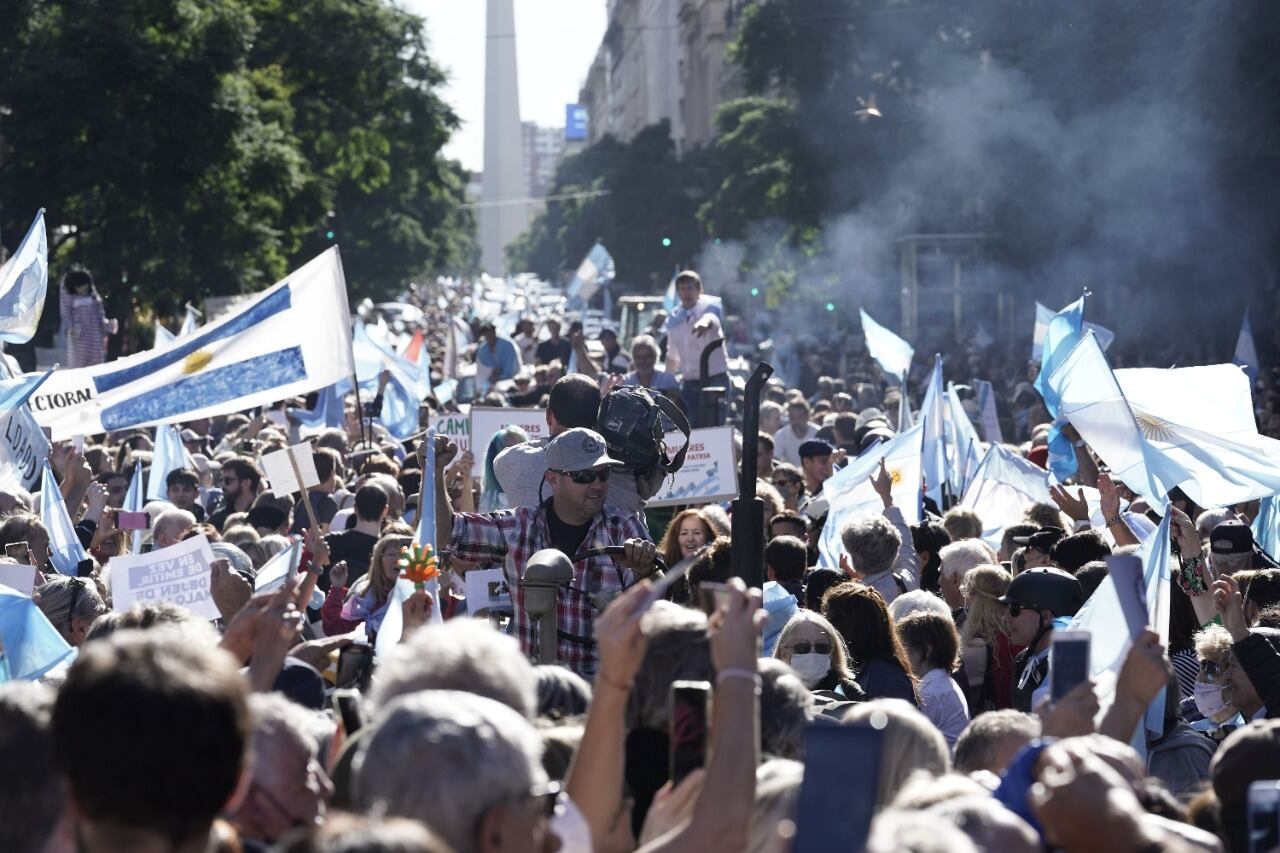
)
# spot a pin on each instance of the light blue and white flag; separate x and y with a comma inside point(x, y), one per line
point(167, 455)
point(1001, 488)
point(1266, 527)
point(1246, 354)
point(850, 495)
point(24, 278)
point(962, 443)
point(15, 392)
point(933, 417)
point(891, 352)
point(403, 395)
point(426, 532)
point(1061, 335)
point(32, 645)
point(163, 335)
point(1154, 442)
point(328, 413)
point(292, 339)
point(65, 550)
point(134, 500)
point(1064, 331)
point(595, 272)
point(1103, 617)
point(1045, 315)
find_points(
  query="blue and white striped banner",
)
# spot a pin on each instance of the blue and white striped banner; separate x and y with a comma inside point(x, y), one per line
point(292, 339)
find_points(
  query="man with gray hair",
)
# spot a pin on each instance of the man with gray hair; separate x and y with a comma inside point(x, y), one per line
point(288, 787)
point(871, 547)
point(466, 766)
point(957, 559)
point(461, 654)
point(992, 739)
point(167, 528)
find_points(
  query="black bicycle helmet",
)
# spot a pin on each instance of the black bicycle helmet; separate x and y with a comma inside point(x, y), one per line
point(1046, 589)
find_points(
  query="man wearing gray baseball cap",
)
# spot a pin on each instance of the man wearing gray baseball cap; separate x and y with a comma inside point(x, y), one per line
point(572, 516)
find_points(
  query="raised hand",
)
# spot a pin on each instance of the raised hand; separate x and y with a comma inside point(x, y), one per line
point(1229, 604)
point(1075, 506)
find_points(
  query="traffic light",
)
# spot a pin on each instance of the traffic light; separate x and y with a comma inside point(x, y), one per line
point(831, 306)
point(755, 291)
point(666, 242)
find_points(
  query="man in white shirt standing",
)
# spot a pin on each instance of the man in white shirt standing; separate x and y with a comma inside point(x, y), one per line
point(798, 430)
point(693, 324)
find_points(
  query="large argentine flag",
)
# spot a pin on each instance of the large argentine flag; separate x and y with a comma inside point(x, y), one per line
point(293, 338)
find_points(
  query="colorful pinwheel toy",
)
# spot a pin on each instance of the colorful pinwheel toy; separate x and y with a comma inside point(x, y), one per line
point(419, 565)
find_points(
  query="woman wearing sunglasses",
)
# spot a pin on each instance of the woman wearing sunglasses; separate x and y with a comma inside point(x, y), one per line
point(812, 647)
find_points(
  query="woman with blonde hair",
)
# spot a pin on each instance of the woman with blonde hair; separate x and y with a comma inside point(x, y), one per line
point(813, 648)
point(911, 743)
point(366, 601)
point(986, 653)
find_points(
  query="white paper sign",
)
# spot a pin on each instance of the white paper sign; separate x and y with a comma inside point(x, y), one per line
point(456, 426)
point(486, 421)
point(708, 475)
point(487, 589)
point(178, 574)
point(279, 470)
point(19, 577)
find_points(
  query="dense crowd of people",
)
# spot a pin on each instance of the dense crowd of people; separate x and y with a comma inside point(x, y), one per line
point(286, 724)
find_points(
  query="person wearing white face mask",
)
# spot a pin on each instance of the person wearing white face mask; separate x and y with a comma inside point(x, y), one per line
point(812, 647)
point(1222, 688)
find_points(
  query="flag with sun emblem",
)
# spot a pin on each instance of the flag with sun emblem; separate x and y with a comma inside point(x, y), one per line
point(294, 338)
point(849, 492)
point(1157, 429)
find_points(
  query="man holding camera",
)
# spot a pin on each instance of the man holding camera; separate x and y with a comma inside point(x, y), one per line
point(574, 517)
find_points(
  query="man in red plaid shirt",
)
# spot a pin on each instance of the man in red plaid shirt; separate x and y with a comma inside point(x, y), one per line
point(573, 518)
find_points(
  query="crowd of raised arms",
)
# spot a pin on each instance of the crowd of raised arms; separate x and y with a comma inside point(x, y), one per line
point(888, 687)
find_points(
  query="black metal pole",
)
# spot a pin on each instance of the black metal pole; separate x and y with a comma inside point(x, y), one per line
point(747, 559)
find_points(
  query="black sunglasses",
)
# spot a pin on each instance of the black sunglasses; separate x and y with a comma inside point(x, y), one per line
point(804, 648)
point(1015, 608)
point(586, 478)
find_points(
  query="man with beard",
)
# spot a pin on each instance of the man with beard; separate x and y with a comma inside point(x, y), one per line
point(572, 517)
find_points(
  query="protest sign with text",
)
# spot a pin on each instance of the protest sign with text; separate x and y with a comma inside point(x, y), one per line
point(178, 574)
point(709, 474)
point(457, 426)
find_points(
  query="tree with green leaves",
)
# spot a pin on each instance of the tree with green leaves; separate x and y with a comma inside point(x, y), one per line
point(645, 195)
point(185, 149)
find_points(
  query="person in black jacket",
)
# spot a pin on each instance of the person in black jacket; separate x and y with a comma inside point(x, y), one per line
point(862, 619)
